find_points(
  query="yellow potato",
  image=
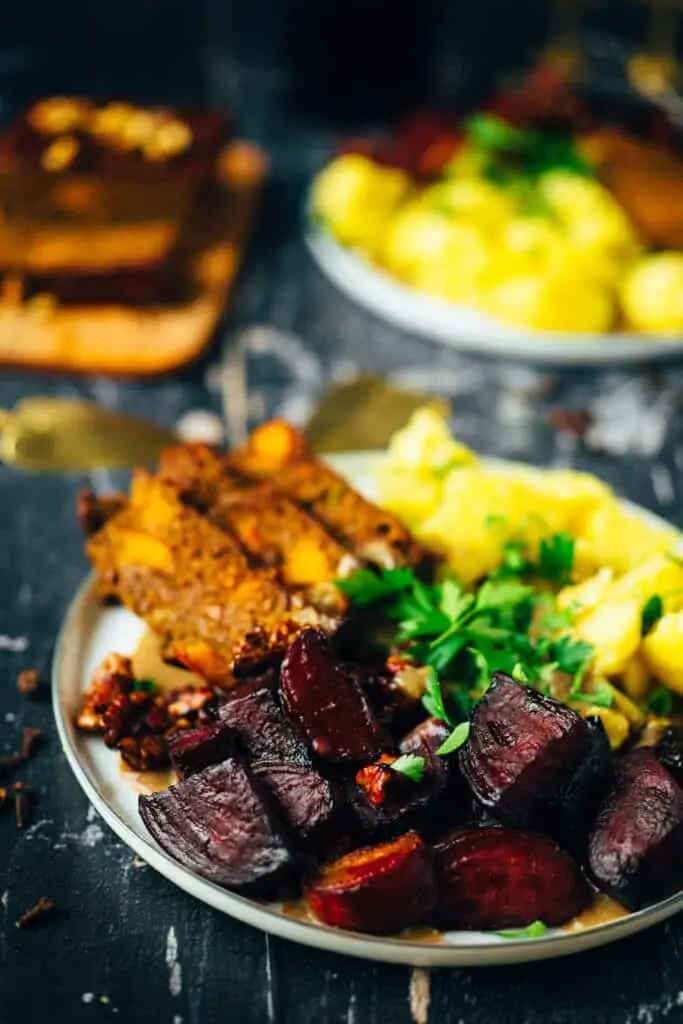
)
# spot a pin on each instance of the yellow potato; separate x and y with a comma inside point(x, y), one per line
point(616, 725)
point(459, 273)
point(473, 200)
point(412, 495)
point(662, 651)
point(614, 630)
point(652, 293)
point(355, 197)
point(613, 537)
point(529, 245)
point(636, 679)
point(587, 595)
point(468, 162)
point(426, 443)
point(658, 575)
point(570, 493)
point(548, 303)
point(569, 195)
point(417, 236)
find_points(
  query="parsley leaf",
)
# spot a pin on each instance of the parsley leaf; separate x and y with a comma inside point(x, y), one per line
point(432, 699)
point(365, 586)
point(651, 613)
point(519, 673)
point(572, 656)
point(145, 686)
point(502, 593)
point(410, 765)
point(556, 557)
point(532, 931)
point(455, 740)
point(660, 702)
point(602, 695)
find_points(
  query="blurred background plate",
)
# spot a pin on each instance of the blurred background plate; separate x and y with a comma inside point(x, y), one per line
point(468, 330)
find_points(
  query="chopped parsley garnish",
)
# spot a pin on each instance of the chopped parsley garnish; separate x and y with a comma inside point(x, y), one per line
point(532, 931)
point(651, 613)
point(432, 699)
point(455, 740)
point(660, 702)
point(410, 765)
point(602, 695)
point(556, 558)
point(366, 586)
point(466, 636)
point(145, 686)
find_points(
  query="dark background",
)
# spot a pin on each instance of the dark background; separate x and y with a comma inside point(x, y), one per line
point(280, 67)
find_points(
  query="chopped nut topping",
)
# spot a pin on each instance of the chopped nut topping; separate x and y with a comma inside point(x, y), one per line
point(58, 114)
point(60, 153)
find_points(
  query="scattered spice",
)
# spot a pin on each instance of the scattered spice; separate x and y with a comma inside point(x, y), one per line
point(28, 681)
point(22, 806)
point(29, 740)
point(3, 798)
point(43, 908)
point(571, 421)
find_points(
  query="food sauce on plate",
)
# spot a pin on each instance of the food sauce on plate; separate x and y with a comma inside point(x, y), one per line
point(602, 910)
point(149, 664)
point(146, 782)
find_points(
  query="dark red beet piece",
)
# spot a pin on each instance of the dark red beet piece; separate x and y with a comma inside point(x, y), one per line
point(309, 803)
point(325, 704)
point(198, 748)
point(255, 715)
point(493, 878)
point(571, 820)
point(426, 738)
point(522, 751)
point(379, 889)
point(218, 824)
point(386, 803)
point(636, 847)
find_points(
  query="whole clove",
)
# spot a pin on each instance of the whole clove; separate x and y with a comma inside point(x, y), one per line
point(22, 807)
point(28, 682)
point(571, 421)
point(42, 909)
point(30, 738)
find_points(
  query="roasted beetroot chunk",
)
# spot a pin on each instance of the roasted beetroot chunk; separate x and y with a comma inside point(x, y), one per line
point(326, 705)
point(379, 889)
point(198, 748)
point(572, 818)
point(219, 824)
point(385, 803)
point(308, 802)
point(425, 738)
point(636, 846)
point(255, 715)
point(522, 750)
point(493, 878)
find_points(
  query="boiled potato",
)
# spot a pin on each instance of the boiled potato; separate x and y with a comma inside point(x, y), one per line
point(662, 651)
point(459, 274)
point(529, 245)
point(417, 236)
point(652, 294)
point(658, 575)
point(355, 196)
point(472, 200)
point(587, 595)
point(426, 443)
point(412, 495)
point(613, 537)
point(616, 725)
point(614, 630)
point(546, 302)
point(636, 679)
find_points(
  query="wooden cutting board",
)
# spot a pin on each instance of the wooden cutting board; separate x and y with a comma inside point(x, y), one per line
point(124, 341)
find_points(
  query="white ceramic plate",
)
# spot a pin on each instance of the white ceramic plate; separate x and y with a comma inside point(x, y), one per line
point(466, 329)
point(90, 631)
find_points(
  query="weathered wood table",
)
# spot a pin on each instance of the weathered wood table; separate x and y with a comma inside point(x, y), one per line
point(126, 944)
